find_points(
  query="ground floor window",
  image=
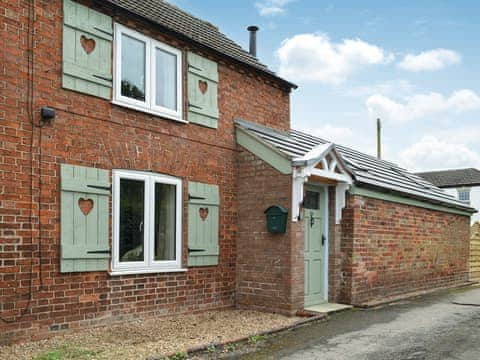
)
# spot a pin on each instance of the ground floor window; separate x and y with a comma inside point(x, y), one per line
point(147, 222)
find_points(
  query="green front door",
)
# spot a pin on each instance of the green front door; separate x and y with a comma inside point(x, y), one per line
point(315, 245)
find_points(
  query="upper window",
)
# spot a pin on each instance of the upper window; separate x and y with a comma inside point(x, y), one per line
point(147, 222)
point(464, 195)
point(148, 74)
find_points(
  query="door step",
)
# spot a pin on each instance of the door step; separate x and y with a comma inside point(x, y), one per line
point(328, 308)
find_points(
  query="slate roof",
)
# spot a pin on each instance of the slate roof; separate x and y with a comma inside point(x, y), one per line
point(367, 170)
point(193, 28)
point(453, 178)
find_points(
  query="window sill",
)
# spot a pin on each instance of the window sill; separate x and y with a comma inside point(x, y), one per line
point(148, 111)
point(144, 271)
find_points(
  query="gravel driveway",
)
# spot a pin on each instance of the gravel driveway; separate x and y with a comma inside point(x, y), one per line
point(155, 337)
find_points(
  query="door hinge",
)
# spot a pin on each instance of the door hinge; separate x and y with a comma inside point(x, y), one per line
point(195, 250)
point(102, 77)
point(194, 106)
point(191, 197)
point(99, 252)
point(103, 31)
point(194, 67)
point(109, 188)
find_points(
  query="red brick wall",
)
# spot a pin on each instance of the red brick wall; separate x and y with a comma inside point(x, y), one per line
point(346, 249)
point(393, 249)
point(92, 132)
point(269, 266)
point(335, 258)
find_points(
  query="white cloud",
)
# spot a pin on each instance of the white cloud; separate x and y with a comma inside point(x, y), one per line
point(419, 106)
point(314, 57)
point(337, 134)
point(460, 134)
point(431, 60)
point(346, 136)
point(272, 7)
point(392, 87)
point(431, 153)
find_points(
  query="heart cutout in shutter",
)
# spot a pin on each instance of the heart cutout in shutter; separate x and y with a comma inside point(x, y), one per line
point(203, 86)
point(203, 213)
point(87, 44)
point(85, 205)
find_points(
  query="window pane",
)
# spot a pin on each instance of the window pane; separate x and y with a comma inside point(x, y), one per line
point(133, 68)
point(311, 200)
point(166, 79)
point(464, 195)
point(165, 211)
point(132, 220)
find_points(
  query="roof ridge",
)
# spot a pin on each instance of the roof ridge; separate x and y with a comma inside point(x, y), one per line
point(168, 3)
point(447, 170)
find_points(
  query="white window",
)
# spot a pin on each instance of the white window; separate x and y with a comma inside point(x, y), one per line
point(464, 195)
point(147, 226)
point(148, 74)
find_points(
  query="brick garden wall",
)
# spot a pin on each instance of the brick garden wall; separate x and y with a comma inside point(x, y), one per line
point(392, 249)
point(269, 266)
point(335, 256)
point(92, 132)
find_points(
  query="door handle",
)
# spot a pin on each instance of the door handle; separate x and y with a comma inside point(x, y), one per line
point(323, 240)
point(312, 220)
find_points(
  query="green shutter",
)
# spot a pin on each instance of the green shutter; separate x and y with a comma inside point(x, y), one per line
point(203, 214)
point(84, 235)
point(202, 91)
point(89, 73)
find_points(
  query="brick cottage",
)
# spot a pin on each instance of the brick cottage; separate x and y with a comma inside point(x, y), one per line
point(140, 149)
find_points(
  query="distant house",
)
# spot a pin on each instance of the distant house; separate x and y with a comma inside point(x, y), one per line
point(463, 184)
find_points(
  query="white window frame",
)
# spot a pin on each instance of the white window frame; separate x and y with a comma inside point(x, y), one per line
point(149, 265)
point(465, 191)
point(149, 105)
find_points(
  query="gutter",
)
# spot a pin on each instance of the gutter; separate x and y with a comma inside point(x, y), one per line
point(425, 200)
point(457, 186)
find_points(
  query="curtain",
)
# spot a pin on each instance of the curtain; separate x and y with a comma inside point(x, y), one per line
point(165, 211)
point(166, 79)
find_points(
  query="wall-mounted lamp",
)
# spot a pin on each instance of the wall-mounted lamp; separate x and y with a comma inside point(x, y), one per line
point(47, 114)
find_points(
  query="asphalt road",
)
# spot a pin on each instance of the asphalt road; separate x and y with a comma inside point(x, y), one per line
point(426, 328)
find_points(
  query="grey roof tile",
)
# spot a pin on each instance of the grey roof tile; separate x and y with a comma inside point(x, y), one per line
point(453, 178)
point(200, 31)
point(366, 169)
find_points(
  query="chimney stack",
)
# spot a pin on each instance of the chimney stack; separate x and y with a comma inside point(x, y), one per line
point(253, 39)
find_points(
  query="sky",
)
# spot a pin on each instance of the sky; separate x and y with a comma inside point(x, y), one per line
point(414, 64)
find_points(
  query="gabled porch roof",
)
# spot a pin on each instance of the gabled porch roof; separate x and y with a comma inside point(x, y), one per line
point(287, 151)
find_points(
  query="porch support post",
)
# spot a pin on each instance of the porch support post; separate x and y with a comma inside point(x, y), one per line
point(340, 195)
point(299, 179)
